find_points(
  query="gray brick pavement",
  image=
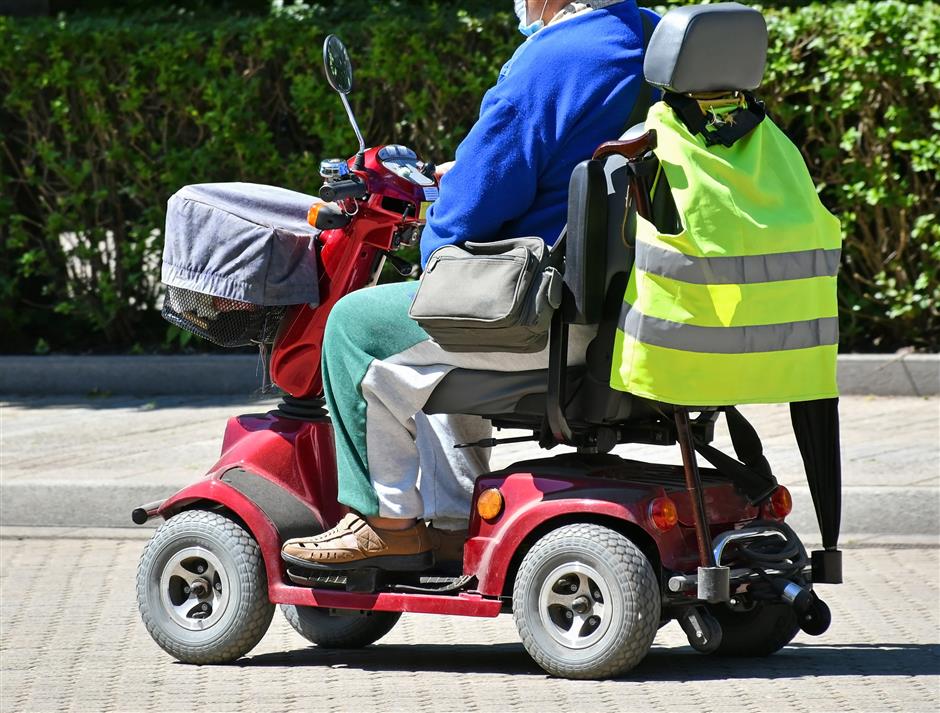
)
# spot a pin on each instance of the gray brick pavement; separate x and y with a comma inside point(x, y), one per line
point(88, 461)
point(72, 641)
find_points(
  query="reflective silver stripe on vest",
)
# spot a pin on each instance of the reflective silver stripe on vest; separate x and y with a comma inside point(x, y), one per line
point(728, 340)
point(745, 270)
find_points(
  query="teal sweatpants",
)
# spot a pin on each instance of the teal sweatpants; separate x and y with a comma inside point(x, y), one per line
point(379, 370)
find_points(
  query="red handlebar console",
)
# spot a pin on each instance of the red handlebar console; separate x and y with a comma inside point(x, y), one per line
point(382, 205)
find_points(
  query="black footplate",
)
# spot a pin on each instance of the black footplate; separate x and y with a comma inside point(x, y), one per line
point(371, 580)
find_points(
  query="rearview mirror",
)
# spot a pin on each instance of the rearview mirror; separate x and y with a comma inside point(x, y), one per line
point(338, 68)
point(337, 65)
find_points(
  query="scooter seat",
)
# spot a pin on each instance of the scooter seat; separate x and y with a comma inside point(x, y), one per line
point(518, 398)
point(484, 393)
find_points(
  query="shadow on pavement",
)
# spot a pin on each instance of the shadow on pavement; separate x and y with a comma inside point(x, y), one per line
point(796, 661)
point(456, 658)
point(662, 664)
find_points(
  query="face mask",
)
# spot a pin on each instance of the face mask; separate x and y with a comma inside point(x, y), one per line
point(527, 29)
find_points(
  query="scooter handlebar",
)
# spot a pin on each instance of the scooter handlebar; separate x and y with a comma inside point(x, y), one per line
point(343, 189)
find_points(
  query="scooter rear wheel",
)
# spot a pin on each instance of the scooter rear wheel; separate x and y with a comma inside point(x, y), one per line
point(344, 630)
point(202, 589)
point(586, 602)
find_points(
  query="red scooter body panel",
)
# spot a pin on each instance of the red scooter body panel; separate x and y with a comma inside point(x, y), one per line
point(214, 490)
point(298, 456)
point(463, 604)
point(532, 500)
point(349, 259)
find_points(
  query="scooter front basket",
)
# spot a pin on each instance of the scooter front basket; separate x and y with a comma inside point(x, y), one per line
point(236, 255)
point(225, 322)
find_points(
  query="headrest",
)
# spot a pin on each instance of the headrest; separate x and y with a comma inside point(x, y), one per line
point(707, 48)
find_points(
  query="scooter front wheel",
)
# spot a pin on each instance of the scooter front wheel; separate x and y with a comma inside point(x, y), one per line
point(202, 589)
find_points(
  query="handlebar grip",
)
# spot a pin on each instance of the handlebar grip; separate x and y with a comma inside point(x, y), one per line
point(327, 216)
point(341, 190)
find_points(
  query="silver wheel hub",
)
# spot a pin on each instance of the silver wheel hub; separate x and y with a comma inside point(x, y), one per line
point(575, 605)
point(194, 588)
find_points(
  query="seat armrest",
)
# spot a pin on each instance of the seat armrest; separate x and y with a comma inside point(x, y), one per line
point(557, 370)
point(586, 244)
point(631, 149)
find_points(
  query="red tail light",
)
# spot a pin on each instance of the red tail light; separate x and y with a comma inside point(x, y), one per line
point(663, 513)
point(780, 503)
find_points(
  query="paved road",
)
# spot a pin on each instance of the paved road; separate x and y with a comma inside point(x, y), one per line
point(72, 641)
point(88, 461)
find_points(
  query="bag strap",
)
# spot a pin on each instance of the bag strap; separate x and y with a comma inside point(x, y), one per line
point(751, 472)
point(727, 133)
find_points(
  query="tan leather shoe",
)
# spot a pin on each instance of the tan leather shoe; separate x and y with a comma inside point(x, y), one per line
point(354, 544)
point(447, 545)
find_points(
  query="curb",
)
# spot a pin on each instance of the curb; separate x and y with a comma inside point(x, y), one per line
point(896, 511)
point(889, 374)
point(203, 374)
point(239, 374)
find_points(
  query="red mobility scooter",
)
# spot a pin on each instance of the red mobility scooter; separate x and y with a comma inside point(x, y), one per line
point(590, 552)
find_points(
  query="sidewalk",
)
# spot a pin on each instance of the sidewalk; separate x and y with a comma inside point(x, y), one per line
point(87, 462)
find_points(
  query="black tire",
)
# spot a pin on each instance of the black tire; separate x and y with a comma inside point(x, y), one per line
point(232, 574)
point(760, 631)
point(339, 631)
point(627, 615)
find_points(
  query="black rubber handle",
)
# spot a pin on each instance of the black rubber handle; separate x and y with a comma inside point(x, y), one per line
point(330, 217)
point(341, 190)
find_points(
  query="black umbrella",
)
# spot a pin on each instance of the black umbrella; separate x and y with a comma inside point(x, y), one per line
point(816, 425)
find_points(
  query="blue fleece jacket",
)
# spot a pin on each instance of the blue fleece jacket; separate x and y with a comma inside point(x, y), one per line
point(567, 89)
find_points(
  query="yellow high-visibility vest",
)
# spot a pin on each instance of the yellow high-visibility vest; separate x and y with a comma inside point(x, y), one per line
point(740, 306)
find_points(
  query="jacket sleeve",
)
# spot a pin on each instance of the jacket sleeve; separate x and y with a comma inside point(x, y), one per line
point(493, 179)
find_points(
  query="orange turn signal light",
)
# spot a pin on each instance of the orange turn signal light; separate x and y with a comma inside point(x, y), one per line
point(312, 214)
point(663, 513)
point(490, 503)
point(781, 502)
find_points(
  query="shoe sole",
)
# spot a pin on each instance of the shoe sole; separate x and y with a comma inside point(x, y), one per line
point(388, 563)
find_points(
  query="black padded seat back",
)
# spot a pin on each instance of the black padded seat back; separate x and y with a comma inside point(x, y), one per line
point(597, 263)
point(600, 231)
point(585, 247)
point(595, 401)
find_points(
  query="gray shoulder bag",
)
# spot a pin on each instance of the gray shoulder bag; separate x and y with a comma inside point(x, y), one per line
point(489, 297)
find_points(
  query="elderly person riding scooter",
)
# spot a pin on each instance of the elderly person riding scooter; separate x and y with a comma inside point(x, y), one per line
point(570, 86)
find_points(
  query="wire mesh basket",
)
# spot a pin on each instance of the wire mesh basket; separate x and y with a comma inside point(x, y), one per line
point(226, 322)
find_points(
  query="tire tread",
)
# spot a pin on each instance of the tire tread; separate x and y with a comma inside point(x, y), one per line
point(623, 555)
point(255, 610)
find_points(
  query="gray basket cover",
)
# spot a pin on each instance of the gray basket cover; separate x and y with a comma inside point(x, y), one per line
point(242, 241)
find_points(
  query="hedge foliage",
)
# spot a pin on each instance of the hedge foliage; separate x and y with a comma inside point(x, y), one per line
point(103, 118)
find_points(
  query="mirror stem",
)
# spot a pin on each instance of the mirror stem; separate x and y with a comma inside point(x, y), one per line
point(360, 157)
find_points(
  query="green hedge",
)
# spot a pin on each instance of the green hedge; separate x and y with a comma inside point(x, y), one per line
point(102, 119)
